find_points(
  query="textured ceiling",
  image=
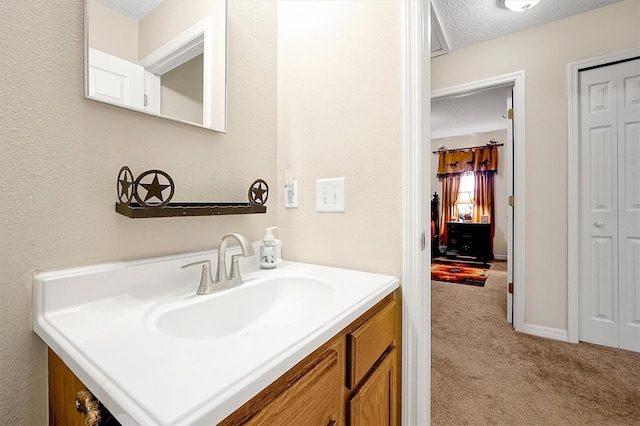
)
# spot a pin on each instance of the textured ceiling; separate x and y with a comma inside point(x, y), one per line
point(467, 22)
point(135, 9)
point(463, 22)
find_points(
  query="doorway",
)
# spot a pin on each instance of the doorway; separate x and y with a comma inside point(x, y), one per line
point(515, 257)
point(473, 232)
point(604, 283)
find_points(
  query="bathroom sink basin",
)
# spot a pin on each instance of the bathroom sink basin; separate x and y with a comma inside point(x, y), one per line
point(263, 304)
point(134, 332)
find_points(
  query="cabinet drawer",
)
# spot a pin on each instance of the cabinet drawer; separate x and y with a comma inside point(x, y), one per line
point(369, 341)
point(312, 399)
point(308, 394)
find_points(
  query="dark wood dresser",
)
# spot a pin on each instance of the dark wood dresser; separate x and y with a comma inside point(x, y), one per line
point(469, 239)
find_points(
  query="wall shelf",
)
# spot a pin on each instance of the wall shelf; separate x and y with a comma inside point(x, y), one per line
point(136, 211)
point(149, 189)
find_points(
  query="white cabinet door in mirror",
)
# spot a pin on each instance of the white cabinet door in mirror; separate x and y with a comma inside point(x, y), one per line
point(161, 57)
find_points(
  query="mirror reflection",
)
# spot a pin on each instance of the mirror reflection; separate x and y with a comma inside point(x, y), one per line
point(161, 57)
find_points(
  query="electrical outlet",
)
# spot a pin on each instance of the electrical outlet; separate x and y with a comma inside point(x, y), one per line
point(330, 195)
point(291, 195)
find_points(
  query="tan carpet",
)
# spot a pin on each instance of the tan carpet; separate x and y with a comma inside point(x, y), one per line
point(483, 372)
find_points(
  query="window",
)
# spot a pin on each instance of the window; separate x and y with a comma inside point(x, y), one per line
point(467, 182)
point(465, 196)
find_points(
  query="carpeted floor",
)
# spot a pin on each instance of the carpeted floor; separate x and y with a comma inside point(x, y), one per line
point(484, 373)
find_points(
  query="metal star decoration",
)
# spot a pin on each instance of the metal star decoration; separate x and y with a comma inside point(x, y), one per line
point(258, 192)
point(154, 196)
point(125, 182)
point(154, 189)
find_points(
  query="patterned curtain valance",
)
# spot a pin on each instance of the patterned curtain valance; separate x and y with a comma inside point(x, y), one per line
point(480, 159)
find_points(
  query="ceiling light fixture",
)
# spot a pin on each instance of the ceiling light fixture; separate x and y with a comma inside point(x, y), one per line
point(519, 5)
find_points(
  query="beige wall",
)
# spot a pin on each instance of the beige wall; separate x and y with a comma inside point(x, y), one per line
point(60, 154)
point(339, 114)
point(543, 53)
point(181, 91)
point(478, 139)
point(121, 43)
point(170, 19)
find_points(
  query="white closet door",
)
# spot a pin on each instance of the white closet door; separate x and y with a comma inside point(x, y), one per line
point(629, 203)
point(610, 205)
point(598, 204)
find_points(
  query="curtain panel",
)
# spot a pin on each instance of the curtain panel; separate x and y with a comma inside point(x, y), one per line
point(450, 187)
point(481, 159)
point(484, 200)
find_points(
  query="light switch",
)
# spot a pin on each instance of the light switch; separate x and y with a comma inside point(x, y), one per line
point(330, 195)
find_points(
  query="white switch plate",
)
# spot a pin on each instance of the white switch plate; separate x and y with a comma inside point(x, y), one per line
point(330, 195)
point(291, 195)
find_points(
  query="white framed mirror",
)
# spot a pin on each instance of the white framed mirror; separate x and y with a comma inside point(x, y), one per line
point(161, 57)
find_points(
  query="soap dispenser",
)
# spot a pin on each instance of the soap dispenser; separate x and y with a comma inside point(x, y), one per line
point(268, 248)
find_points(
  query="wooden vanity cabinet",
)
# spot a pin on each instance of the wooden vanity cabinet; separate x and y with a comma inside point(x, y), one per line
point(366, 389)
point(351, 380)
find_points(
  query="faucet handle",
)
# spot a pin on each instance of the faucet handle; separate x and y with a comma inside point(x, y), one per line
point(234, 273)
point(205, 279)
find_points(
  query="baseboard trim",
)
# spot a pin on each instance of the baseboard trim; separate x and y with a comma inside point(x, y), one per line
point(500, 256)
point(548, 332)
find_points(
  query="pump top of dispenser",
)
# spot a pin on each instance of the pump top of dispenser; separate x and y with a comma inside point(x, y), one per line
point(268, 233)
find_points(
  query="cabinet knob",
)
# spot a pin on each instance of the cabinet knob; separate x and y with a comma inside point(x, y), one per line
point(598, 224)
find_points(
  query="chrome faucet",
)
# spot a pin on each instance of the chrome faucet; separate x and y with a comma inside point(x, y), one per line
point(223, 281)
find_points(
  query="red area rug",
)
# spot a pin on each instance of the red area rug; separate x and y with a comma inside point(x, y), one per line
point(460, 273)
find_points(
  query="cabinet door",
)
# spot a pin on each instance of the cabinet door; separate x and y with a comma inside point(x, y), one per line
point(63, 386)
point(63, 397)
point(311, 397)
point(374, 403)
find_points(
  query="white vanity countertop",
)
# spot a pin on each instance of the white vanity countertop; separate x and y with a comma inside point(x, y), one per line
point(100, 321)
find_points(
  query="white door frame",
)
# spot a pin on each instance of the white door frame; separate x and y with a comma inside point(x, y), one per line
point(196, 40)
point(416, 278)
point(517, 79)
point(416, 289)
point(573, 265)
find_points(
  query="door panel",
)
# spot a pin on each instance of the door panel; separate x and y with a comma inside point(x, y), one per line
point(630, 295)
point(605, 293)
point(629, 204)
point(598, 203)
point(602, 178)
point(610, 205)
